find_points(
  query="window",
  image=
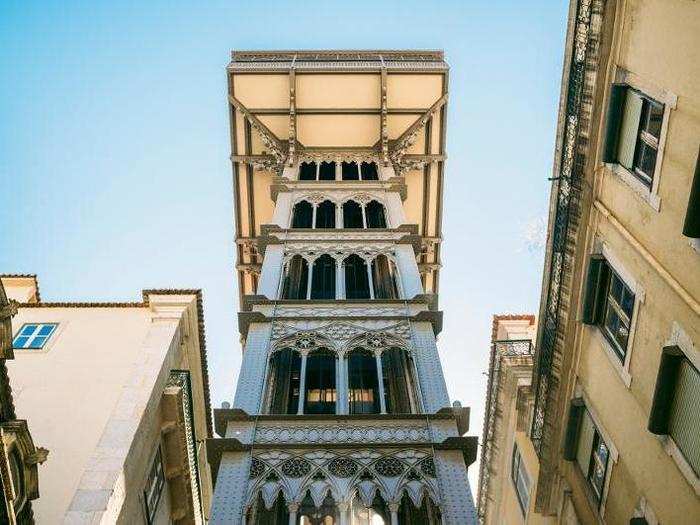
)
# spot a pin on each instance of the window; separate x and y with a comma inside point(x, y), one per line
point(319, 396)
point(356, 278)
point(323, 280)
point(691, 226)
point(521, 480)
point(585, 445)
point(34, 335)
point(326, 171)
point(296, 279)
point(325, 215)
point(307, 171)
point(302, 215)
point(369, 171)
point(363, 387)
point(350, 171)
point(352, 215)
point(608, 303)
point(154, 486)
point(676, 404)
point(384, 278)
point(375, 215)
point(396, 374)
point(283, 385)
point(633, 132)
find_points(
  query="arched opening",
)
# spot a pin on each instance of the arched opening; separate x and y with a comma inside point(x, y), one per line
point(398, 383)
point(325, 215)
point(326, 171)
point(302, 216)
point(320, 393)
point(352, 215)
point(307, 171)
point(369, 171)
point(296, 279)
point(384, 278)
point(356, 278)
point(323, 280)
point(350, 171)
point(375, 514)
point(283, 383)
point(260, 515)
point(326, 514)
point(375, 215)
point(363, 390)
point(426, 514)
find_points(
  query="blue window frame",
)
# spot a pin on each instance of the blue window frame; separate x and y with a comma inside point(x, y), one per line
point(33, 335)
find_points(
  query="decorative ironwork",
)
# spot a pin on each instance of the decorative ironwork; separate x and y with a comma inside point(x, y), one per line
point(343, 467)
point(427, 467)
point(296, 468)
point(257, 468)
point(389, 467)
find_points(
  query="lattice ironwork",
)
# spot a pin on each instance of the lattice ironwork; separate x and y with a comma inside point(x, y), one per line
point(343, 467)
point(427, 466)
point(257, 468)
point(296, 468)
point(389, 467)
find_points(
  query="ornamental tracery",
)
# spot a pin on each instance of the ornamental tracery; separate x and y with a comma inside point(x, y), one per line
point(343, 337)
point(338, 197)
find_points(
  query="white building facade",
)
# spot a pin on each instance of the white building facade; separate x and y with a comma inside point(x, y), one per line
point(341, 413)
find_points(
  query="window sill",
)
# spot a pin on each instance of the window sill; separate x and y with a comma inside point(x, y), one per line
point(672, 450)
point(640, 190)
point(619, 367)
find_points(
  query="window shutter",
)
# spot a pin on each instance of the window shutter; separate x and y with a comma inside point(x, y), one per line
point(691, 228)
point(613, 121)
point(671, 358)
point(595, 290)
point(684, 423)
point(629, 128)
point(639, 521)
point(576, 410)
point(585, 442)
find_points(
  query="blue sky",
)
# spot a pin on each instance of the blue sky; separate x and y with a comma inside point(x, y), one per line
point(114, 171)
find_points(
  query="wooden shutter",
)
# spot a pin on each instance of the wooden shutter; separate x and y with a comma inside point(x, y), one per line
point(594, 297)
point(684, 423)
point(585, 442)
point(576, 410)
point(671, 358)
point(613, 121)
point(691, 228)
point(629, 128)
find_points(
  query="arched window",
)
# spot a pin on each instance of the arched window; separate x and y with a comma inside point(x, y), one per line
point(325, 215)
point(283, 382)
point(375, 215)
point(260, 515)
point(323, 280)
point(398, 381)
point(377, 514)
point(310, 514)
point(409, 514)
point(296, 279)
point(302, 216)
point(363, 390)
point(307, 171)
point(356, 278)
point(326, 171)
point(319, 396)
point(352, 215)
point(384, 278)
point(369, 171)
point(350, 171)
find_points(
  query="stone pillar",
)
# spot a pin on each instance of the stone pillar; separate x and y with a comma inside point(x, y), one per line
point(380, 381)
point(364, 216)
point(302, 383)
point(313, 214)
point(339, 279)
point(343, 508)
point(293, 509)
point(370, 280)
point(394, 509)
point(339, 215)
point(310, 274)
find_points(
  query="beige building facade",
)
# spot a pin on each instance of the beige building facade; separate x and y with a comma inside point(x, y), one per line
point(118, 393)
point(616, 381)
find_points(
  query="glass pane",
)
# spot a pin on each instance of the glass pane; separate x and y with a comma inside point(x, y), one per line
point(20, 341)
point(599, 465)
point(46, 329)
point(38, 342)
point(28, 329)
point(654, 118)
point(616, 330)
